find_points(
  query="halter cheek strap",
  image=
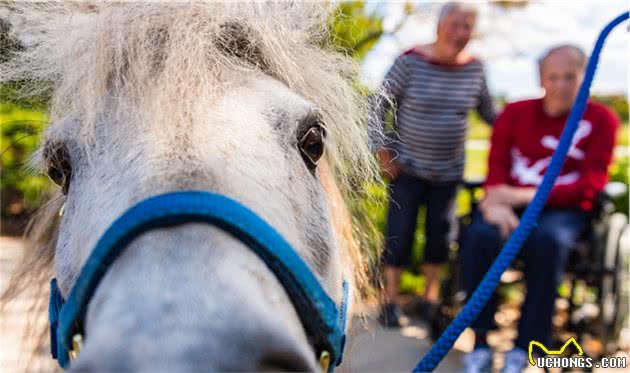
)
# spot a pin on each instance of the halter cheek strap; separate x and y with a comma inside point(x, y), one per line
point(323, 321)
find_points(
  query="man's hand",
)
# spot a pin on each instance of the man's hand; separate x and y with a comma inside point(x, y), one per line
point(389, 167)
point(500, 215)
point(509, 195)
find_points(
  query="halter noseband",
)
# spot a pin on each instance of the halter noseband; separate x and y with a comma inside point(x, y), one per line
point(323, 321)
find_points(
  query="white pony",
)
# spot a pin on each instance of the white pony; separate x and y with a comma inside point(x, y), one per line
point(239, 99)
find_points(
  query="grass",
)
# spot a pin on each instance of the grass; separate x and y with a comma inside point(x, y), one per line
point(476, 164)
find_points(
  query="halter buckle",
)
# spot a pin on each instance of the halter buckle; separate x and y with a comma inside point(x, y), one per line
point(77, 344)
point(324, 361)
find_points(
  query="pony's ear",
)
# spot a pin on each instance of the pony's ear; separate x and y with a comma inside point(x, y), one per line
point(241, 42)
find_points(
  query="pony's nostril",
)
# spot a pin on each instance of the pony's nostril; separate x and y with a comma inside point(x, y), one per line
point(283, 361)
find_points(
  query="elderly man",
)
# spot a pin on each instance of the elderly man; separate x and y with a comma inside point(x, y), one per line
point(433, 86)
point(523, 140)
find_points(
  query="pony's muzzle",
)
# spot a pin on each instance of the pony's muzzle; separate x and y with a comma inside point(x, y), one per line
point(192, 298)
point(274, 355)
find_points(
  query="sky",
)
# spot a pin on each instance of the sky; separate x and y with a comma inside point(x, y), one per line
point(511, 41)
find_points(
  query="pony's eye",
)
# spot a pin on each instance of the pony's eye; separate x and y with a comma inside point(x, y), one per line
point(58, 166)
point(312, 145)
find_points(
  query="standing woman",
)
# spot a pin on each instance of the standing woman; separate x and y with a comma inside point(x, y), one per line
point(432, 87)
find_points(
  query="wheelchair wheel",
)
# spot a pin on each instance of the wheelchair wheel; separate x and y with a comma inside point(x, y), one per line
point(614, 283)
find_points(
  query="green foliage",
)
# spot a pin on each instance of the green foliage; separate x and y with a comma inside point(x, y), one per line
point(353, 31)
point(20, 133)
point(622, 135)
point(22, 119)
point(10, 93)
point(618, 103)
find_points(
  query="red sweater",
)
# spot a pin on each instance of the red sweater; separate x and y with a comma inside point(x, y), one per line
point(524, 138)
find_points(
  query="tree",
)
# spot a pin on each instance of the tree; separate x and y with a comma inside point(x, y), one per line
point(353, 31)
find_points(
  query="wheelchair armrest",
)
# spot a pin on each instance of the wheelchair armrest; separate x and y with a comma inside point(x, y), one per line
point(471, 186)
point(605, 204)
point(614, 190)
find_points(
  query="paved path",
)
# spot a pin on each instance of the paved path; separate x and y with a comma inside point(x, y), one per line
point(375, 349)
point(15, 347)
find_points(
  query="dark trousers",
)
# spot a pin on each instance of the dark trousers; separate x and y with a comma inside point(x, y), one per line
point(544, 254)
point(407, 194)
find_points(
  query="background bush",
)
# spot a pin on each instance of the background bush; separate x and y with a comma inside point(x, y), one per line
point(22, 121)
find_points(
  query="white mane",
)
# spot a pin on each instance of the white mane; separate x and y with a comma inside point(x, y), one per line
point(103, 56)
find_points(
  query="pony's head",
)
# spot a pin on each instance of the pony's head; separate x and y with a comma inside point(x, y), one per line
point(238, 99)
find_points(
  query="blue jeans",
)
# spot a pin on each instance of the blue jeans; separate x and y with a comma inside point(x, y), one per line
point(408, 193)
point(544, 254)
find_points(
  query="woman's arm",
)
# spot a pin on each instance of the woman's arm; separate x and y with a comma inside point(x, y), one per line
point(388, 97)
point(486, 108)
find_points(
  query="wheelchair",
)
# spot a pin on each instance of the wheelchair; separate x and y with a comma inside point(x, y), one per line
point(599, 263)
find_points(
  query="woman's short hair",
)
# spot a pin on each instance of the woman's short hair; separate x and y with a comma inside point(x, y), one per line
point(456, 6)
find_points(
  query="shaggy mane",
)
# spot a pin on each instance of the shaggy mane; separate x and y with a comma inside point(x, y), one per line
point(163, 60)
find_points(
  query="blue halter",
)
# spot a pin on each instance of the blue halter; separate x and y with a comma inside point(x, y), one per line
point(323, 321)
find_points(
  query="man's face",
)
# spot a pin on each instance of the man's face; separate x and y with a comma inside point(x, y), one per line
point(560, 76)
point(455, 31)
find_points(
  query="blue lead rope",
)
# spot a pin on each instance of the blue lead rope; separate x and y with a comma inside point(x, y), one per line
point(489, 283)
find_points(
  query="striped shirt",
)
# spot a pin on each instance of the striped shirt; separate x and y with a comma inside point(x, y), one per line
point(432, 103)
